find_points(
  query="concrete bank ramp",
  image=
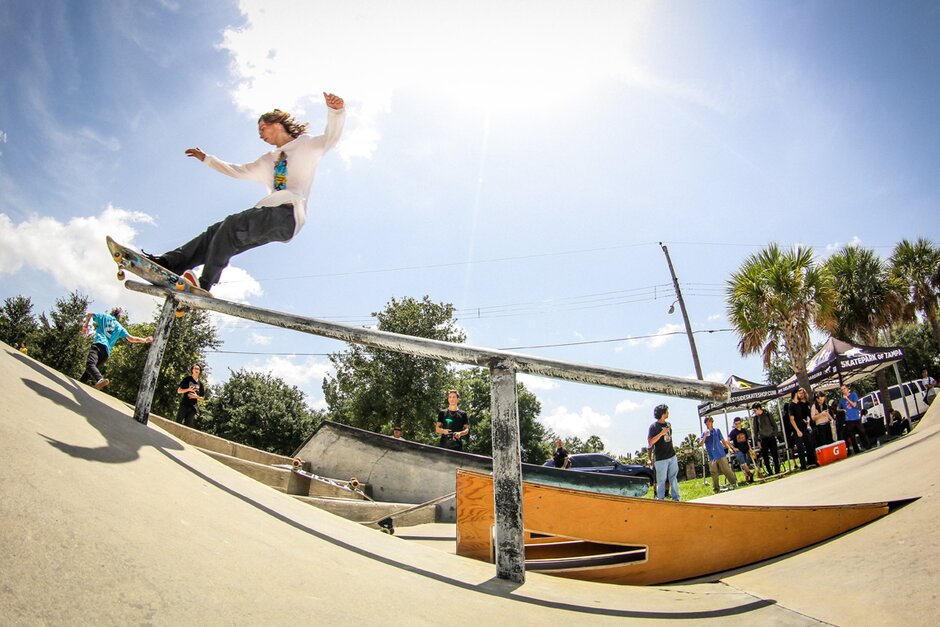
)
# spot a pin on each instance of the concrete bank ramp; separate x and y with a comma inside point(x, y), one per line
point(109, 522)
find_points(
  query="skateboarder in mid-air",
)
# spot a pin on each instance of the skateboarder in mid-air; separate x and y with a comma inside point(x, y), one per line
point(107, 333)
point(286, 172)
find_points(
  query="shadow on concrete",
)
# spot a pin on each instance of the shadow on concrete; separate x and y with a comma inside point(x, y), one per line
point(113, 425)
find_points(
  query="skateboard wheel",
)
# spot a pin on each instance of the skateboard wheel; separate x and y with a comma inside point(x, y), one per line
point(180, 285)
point(297, 462)
point(180, 313)
point(120, 275)
point(118, 256)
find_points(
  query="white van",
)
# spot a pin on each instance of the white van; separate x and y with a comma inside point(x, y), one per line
point(913, 396)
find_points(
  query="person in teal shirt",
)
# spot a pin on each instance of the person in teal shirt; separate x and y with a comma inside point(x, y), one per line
point(108, 330)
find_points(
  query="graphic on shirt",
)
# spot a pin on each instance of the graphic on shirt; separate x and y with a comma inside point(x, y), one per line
point(280, 173)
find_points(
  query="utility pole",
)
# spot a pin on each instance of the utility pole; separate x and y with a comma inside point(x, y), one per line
point(685, 315)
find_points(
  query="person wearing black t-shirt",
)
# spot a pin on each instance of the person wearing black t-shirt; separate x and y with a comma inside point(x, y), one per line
point(452, 423)
point(560, 456)
point(799, 418)
point(192, 391)
point(659, 438)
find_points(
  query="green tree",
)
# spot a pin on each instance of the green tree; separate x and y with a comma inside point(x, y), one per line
point(917, 266)
point(374, 389)
point(868, 301)
point(191, 336)
point(474, 387)
point(59, 342)
point(260, 410)
point(775, 299)
point(594, 444)
point(17, 323)
point(921, 349)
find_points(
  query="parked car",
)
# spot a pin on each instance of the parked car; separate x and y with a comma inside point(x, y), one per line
point(598, 462)
point(913, 396)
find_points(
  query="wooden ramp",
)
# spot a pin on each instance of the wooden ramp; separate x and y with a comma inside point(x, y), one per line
point(625, 540)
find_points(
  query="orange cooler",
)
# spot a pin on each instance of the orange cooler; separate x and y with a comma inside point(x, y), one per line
point(832, 453)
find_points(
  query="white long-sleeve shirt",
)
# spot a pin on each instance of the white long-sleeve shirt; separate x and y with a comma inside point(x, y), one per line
point(303, 154)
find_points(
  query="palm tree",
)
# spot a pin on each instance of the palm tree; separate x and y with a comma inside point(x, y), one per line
point(917, 265)
point(773, 301)
point(868, 301)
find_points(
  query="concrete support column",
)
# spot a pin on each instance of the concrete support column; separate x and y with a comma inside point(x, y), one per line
point(148, 381)
point(507, 472)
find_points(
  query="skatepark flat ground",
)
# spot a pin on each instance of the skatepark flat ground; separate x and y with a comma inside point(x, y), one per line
point(106, 521)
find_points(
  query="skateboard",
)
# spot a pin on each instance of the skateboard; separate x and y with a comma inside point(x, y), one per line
point(133, 261)
point(387, 523)
point(353, 485)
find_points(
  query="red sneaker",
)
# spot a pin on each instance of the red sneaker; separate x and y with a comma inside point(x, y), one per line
point(191, 278)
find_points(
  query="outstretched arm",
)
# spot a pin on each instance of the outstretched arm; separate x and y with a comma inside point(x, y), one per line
point(333, 101)
point(133, 339)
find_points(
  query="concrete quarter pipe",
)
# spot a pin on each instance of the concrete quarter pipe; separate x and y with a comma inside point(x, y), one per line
point(107, 521)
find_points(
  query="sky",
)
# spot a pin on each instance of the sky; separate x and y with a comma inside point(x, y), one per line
point(519, 160)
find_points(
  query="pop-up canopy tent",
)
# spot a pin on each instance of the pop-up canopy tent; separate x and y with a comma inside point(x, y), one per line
point(744, 393)
point(839, 362)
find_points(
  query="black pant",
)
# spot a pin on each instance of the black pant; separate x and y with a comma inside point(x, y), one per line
point(823, 434)
point(768, 451)
point(186, 413)
point(805, 448)
point(235, 234)
point(853, 429)
point(97, 356)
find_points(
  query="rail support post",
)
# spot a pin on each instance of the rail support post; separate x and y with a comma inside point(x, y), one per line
point(148, 381)
point(507, 473)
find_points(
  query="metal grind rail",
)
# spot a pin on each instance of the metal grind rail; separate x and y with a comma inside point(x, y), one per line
point(504, 411)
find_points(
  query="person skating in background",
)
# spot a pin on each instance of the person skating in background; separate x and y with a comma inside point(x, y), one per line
point(108, 330)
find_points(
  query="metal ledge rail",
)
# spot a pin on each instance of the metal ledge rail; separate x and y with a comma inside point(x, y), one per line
point(504, 411)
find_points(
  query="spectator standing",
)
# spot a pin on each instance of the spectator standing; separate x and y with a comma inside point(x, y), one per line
point(659, 439)
point(930, 387)
point(717, 448)
point(767, 434)
point(396, 432)
point(452, 423)
point(560, 456)
point(799, 421)
point(742, 448)
point(193, 392)
point(819, 411)
point(853, 419)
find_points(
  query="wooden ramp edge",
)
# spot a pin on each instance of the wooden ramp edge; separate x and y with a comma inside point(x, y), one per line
point(624, 540)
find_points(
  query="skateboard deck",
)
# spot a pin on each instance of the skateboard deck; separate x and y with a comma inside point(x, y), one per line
point(387, 523)
point(133, 261)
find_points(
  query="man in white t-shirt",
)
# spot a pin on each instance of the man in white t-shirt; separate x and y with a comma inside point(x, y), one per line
point(930, 386)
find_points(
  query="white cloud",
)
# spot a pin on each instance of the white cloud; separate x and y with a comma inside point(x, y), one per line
point(453, 53)
point(74, 255)
point(627, 406)
point(534, 383)
point(582, 424)
point(307, 375)
point(260, 340)
point(714, 317)
point(836, 246)
point(663, 335)
point(716, 377)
